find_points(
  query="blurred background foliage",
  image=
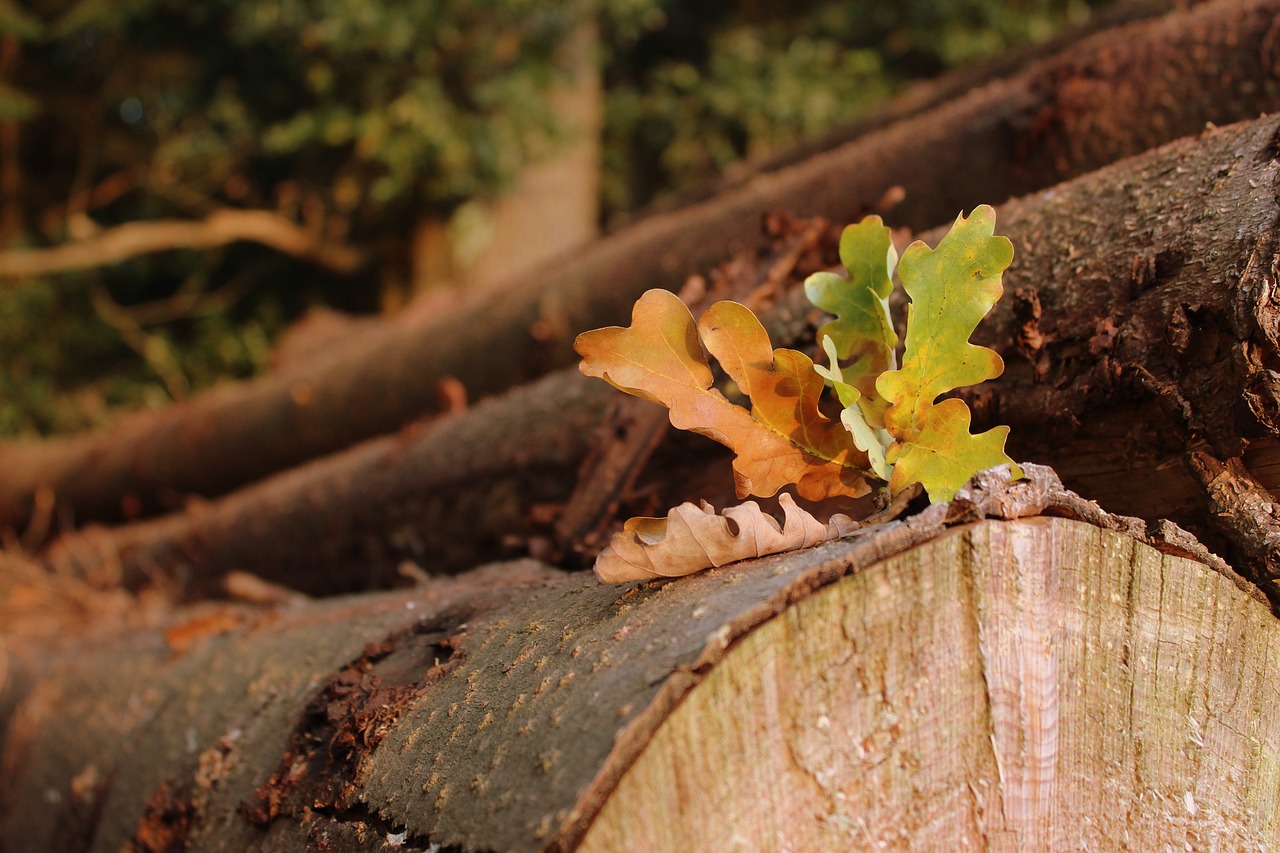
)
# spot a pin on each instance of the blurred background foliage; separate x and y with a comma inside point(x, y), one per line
point(356, 117)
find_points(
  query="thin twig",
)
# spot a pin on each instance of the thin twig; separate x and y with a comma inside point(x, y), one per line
point(153, 349)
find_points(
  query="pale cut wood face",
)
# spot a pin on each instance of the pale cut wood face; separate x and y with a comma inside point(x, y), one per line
point(1035, 685)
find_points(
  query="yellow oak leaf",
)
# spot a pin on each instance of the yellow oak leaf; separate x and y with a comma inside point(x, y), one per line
point(952, 288)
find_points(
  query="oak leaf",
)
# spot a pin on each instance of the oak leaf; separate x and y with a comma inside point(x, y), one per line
point(692, 538)
point(944, 456)
point(869, 438)
point(782, 440)
point(862, 331)
point(952, 288)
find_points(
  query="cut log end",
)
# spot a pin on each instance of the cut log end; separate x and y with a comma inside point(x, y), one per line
point(1043, 681)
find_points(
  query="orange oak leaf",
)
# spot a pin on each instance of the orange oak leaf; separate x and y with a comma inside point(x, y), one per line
point(782, 440)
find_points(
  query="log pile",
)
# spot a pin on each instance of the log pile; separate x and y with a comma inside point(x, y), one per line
point(1021, 667)
point(1111, 95)
point(1138, 330)
point(1015, 667)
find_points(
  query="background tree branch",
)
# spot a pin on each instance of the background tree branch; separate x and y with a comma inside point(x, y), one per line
point(220, 228)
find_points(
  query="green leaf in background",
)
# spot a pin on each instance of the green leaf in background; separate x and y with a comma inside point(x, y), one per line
point(18, 23)
point(16, 105)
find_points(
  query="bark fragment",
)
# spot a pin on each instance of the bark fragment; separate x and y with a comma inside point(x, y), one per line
point(1242, 510)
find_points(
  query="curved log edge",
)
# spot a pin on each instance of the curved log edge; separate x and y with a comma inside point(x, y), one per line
point(508, 708)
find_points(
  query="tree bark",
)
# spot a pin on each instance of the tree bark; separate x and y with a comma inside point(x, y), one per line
point(928, 95)
point(1014, 668)
point(1142, 334)
point(1138, 334)
point(1060, 117)
point(446, 495)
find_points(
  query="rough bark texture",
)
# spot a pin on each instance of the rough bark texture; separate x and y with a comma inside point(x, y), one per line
point(1144, 328)
point(1139, 325)
point(1046, 683)
point(447, 495)
point(1112, 95)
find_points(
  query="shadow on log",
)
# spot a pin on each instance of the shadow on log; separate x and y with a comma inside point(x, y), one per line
point(1112, 95)
point(1016, 666)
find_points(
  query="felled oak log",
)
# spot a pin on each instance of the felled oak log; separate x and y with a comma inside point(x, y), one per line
point(1106, 97)
point(447, 496)
point(1014, 670)
point(1138, 325)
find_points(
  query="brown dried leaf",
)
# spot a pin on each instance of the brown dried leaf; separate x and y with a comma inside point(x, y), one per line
point(693, 538)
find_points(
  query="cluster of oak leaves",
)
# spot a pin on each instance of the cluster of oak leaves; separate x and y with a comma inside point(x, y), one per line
point(890, 428)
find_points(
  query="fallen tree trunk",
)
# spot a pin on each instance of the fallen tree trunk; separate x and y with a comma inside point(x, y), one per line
point(1061, 117)
point(1139, 326)
point(932, 94)
point(449, 495)
point(1056, 679)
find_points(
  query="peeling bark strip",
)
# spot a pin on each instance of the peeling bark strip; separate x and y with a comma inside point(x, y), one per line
point(348, 719)
point(1007, 679)
point(1245, 509)
point(1139, 320)
point(1109, 96)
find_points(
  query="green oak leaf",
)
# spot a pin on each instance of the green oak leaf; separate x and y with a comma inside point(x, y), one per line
point(845, 393)
point(943, 455)
point(862, 330)
point(951, 288)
